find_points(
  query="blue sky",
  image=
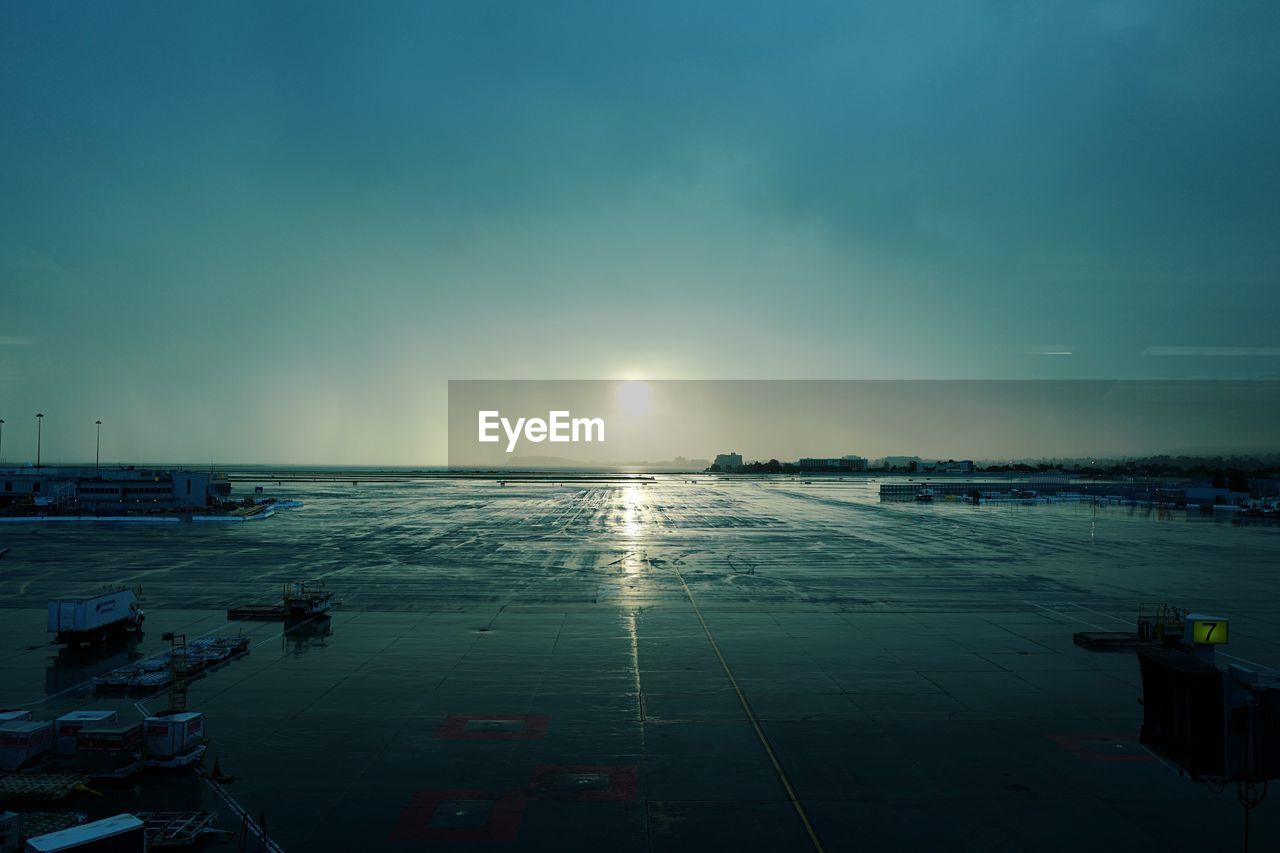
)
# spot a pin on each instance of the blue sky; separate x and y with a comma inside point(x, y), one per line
point(271, 232)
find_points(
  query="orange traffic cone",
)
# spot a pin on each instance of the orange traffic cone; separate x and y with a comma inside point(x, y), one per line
point(217, 775)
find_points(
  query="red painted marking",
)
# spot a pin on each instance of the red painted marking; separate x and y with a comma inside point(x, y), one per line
point(455, 727)
point(503, 823)
point(1095, 747)
point(624, 782)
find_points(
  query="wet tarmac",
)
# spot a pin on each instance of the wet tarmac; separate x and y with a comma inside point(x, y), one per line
point(750, 665)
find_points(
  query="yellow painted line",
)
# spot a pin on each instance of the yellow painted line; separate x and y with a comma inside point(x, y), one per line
point(755, 723)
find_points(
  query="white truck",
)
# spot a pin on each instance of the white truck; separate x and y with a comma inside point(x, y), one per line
point(95, 618)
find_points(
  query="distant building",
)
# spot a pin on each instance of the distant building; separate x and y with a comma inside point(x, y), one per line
point(899, 461)
point(1201, 495)
point(111, 488)
point(950, 466)
point(843, 463)
point(952, 488)
point(727, 461)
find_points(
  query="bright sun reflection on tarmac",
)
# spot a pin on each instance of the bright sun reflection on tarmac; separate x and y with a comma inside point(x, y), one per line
point(632, 500)
point(634, 564)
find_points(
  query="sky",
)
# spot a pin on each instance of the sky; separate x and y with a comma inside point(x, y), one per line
point(272, 232)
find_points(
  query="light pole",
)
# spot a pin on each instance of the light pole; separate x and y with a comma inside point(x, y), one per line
point(97, 448)
point(1, 438)
point(39, 421)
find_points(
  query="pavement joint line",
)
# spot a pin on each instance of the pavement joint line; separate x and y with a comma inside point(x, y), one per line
point(565, 527)
point(252, 646)
point(1100, 613)
point(357, 777)
point(633, 632)
point(1065, 615)
point(755, 723)
point(1244, 660)
point(542, 674)
point(468, 650)
point(634, 640)
point(842, 691)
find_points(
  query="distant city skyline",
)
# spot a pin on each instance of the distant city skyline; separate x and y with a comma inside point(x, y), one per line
point(790, 420)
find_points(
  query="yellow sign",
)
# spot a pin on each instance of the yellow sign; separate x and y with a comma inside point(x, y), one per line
point(1210, 632)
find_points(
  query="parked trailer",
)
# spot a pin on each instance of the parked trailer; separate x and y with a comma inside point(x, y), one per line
point(95, 618)
point(122, 833)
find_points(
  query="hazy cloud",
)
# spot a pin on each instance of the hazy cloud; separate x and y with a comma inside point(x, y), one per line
point(304, 217)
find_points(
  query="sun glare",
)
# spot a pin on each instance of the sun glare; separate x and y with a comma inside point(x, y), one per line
point(633, 397)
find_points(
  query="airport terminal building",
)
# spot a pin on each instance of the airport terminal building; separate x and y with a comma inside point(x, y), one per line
point(842, 464)
point(111, 488)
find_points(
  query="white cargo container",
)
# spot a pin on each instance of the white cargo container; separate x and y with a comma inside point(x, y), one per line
point(122, 833)
point(23, 743)
point(109, 750)
point(94, 618)
point(169, 738)
point(14, 716)
point(66, 727)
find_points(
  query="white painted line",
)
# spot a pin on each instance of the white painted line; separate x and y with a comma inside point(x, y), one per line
point(1064, 615)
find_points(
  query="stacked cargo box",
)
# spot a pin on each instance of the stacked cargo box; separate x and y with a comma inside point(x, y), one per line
point(109, 749)
point(66, 727)
point(24, 743)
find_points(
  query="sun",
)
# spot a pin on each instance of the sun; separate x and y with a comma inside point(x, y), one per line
point(633, 397)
